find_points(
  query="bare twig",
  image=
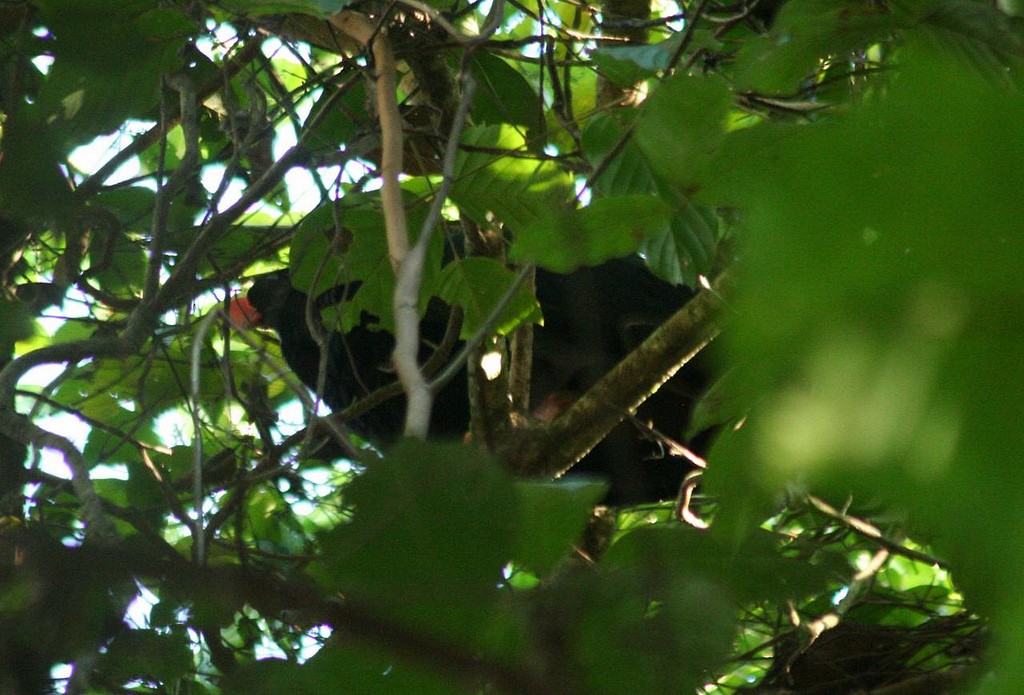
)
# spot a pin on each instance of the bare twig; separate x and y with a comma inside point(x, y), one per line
point(232, 67)
point(871, 531)
point(373, 37)
point(98, 528)
point(691, 24)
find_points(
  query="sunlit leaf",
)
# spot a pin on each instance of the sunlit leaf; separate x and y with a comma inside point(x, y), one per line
point(497, 177)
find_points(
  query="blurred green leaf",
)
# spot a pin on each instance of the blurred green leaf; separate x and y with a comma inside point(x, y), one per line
point(881, 304)
point(17, 323)
point(874, 348)
point(751, 568)
point(352, 669)
point(255, 8)
point(433, 524)
point(607, 228)
point(804, 33)
point(147, 654)
point(981, 36)
point(32, 185)
point(637, 625)
point(681, 155)
point(91, 89)
point(554, 515)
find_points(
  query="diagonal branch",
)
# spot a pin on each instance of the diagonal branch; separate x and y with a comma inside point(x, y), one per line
point(574, 433)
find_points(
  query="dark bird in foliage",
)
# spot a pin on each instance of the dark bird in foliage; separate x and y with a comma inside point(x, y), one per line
point(593, 318)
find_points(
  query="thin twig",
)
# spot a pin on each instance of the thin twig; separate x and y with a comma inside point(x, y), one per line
point(139, 144)
point(871, 531)
point(195, 388)
point(684, 42)
point(485, 330)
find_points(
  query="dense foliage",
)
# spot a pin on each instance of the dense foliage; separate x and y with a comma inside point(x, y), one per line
point(834, 178)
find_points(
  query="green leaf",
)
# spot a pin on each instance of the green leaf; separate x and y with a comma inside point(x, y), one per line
point(116, 261)
point(236, 247)
point(682, 125)
point(344, 242)
point(554, 516)
point(981, 36)
point(18, 325)
point(91, 88)
point(607, 228)
point(723, 403)
point(431, 530)
point(880, 317)
point(164, 24)
point(131, 206)
point(336, 120)
point(32, 184)
point(350, 668)
point(73, 330)
point(109, 448)
point(273, 523)
point(685, 250)
point(503, 96)
point(648, 626)
point(804, 33)
point(145, 495)
point(604, 135)
point(625, 66)
point(751, 569)
point(326, 234)
point(477, 284)
point(147, 654)
point(495, 175)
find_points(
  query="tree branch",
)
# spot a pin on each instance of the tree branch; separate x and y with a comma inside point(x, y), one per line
point(407, 262)
point(574, 433)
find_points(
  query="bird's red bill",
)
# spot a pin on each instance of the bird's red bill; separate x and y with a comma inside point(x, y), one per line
point(242, 313)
